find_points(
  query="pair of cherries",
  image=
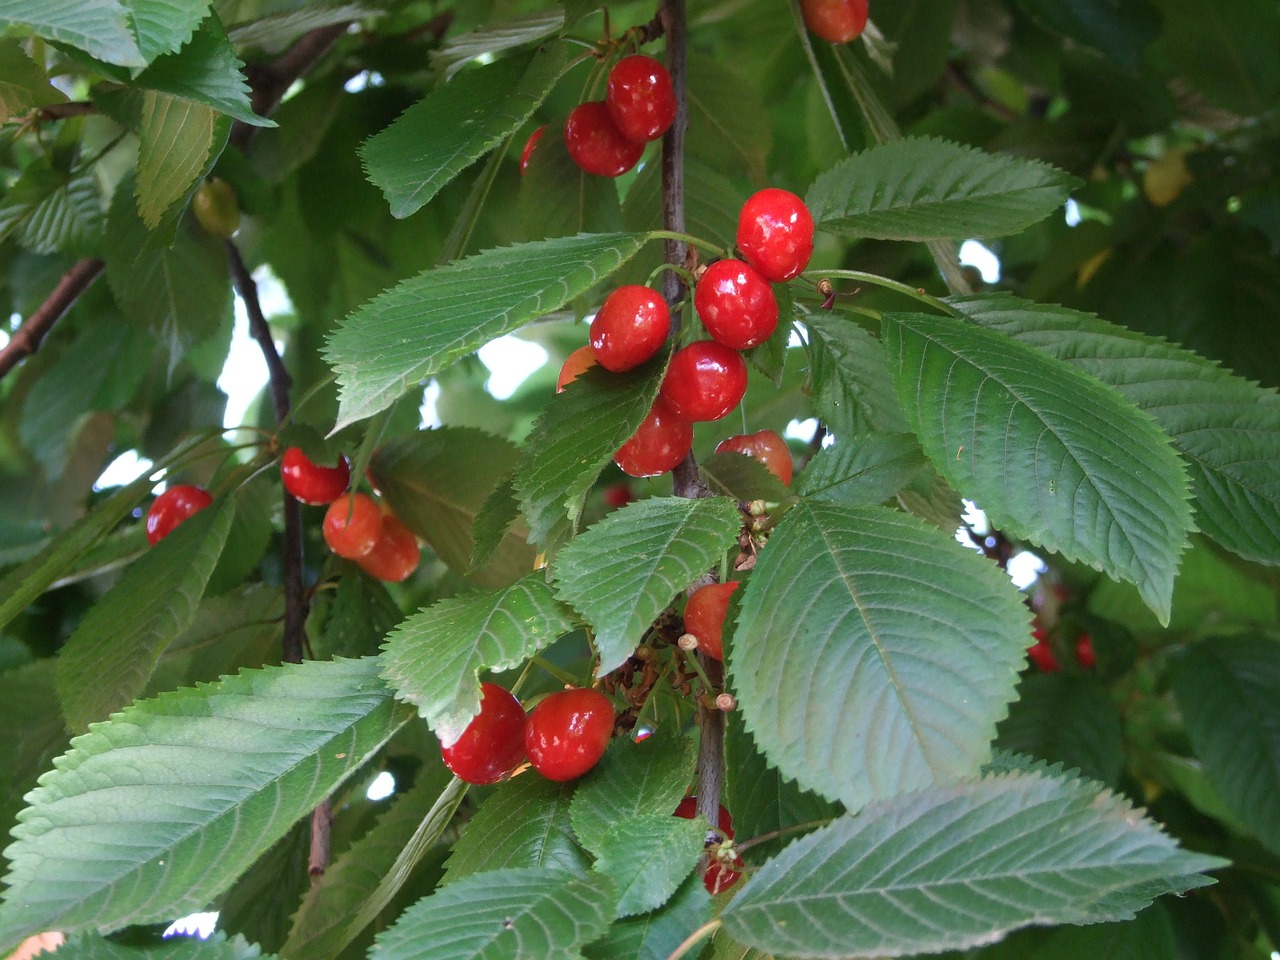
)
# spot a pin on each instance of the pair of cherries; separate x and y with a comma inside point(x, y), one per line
point(1046, 661)
point(563, 738)
point(607, 137)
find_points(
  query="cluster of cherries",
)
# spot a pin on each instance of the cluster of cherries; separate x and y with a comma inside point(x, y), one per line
point(1042, 654)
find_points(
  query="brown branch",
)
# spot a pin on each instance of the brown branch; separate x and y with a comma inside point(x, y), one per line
point(27, 338)
point(61, 111)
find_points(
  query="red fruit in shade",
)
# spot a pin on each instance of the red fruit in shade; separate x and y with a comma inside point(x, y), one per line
point(308, 482)
point(836, 21)
point(529, 144)
point(736, 304)
point(172, 507)
point(719, 876)
point(567, 733)
point(1084, 651)
point(775, 234)
point(704, 614)
point(395, 555)
point(661, 441)
point(688, 809)
point(492, 745)
point(596, 144)
point(630, 327)
point(619, 494)
point(768, 447)
point(705, 380)
point(352, 526)
point(640, 98)
point(574, 364)
point(1042, 654)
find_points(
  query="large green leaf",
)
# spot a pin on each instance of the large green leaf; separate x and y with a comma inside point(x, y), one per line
point(23, 83)
point(497, 37)
point(958, 866)
point(433, 658)
point(156, 811)
point(873, 655)
point(1050, 453)
point(625, 570)
point(109, 657)
point(852, 388)
point(205, 71)
point(35, 733)
point(655, 936)
point(216, 947)
point(558, 198)
point(929, 189)
point(529, 914)
point(99, 27)
point(1226, 689)
point(448, 130)
point(163, 26)
point(1226, 428)
point(1148, 936)
point(424, 324)
point(647, 856)
point(1067, 720)
point(860, 470)
point(177, 141)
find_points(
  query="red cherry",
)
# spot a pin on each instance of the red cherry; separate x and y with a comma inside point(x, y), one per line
point(529, 144)
point(567, 733)
point(640, 98)
point(596, 144)
point(352, 526)
point(618, 495)
point(836, 21)
point(492, 745)
point(661, 441)
point(705, 381)
point(1041, 653)
point(704, 614)
point(395, 555)
point(766, 446)
point(630, 327)
point(1084, 651)
point(736, 304)
point(172, 507)
point(688, 809)
point(574, 364)
point(775, 234)
point(719, 877)
point(311, 483)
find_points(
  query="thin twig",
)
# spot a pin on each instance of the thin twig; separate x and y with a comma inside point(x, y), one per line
point(271, 81)
point(259, 329)
point(318, 858)
point(27, 338)
point(62, 111)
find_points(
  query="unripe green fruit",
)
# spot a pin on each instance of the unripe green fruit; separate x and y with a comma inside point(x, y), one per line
point(217, 208)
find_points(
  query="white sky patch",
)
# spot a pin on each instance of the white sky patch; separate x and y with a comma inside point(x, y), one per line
point(245, 372)
point(510, 361)
point(4, 339)
point(365, 78)
point(975, 254)
point(1024, 567)
point(194, 924)
point(1072, 214)
point(383, 786)
point(428, 411)
point(801, 429)
point(124, 469)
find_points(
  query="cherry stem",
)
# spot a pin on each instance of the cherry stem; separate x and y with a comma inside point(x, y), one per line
point(693, 939)
point(675, 268)
point(680, 237)
point(876, 280)
point(783, 832)
point(562, 675)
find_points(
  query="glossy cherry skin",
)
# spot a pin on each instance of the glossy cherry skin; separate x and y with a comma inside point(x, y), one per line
point(1041, 653)
point(574, 364)
point(705, 380)
point(529, 144)
point(395, 555)
point(662, 440)
point(640, 98)
point(492, 745)
point(768, 447)
point(172, 507)
point(688, 809)
point(630, 327)
point(567, 733)
point(775, 234)
point(352, 526)
point(836, 21)
point(704, 614)
point(596, 144)
point(1084, 652)
point(308, 482)
point(736, 304)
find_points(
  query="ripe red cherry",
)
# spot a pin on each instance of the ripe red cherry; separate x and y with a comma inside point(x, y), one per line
point(574, 364)
point(640, 98)
point(352, 526)
point(568, 732)
point(492, 745)
point(775, 234)
point(395, 555)
point(1084, 651)
point(704, 614)
point(836, 21)
point(631, 326)
point(719, 876)
point(529, 144)
point(688, 809)
point(705, 381)
point(311, 483)
point(172, 507)
point(766, 446)
point(1041, 653)
point(596, 144)
point(661, 441)
point(736, 304)
point(618, 495)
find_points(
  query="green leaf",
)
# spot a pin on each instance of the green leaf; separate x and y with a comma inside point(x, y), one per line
point(1225, 687)
point(179, 142)
point(23, 82)
point(213, 769)
point(647, 857)
point(495, 517)
point(163, 26)
point(99, 27)
point(741, 478)
point(1067, 720)
point(724, 110)
point(873, 655)
point(625, 570)
point(1148, 935)
point(215, 947)
point(49, 211)
point(362, 615)
point(35, 733)
point(1121, 31)
point(852, 386)
point(1226, 428)
point(205, 71)
point(433, 658)
point(524, 823)
point(424, 324)
point(558, 198)
point(655, 936)
point(108, 659)
point(497, 37)
point(958, 866)
point(862, 470)
point(1050, 454)
point(532, 914)
point(929, 189)
point(632, 779)
point(451, 128)
point(1229, 51)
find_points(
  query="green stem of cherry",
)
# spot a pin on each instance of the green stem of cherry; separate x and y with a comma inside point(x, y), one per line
point(884, 282)
point(693, 939)
point(562, 675)
point(703, 245)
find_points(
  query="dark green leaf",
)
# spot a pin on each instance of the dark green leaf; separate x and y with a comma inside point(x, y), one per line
point(1119, 30)
point(655, 936)
point(741, 478)
point(647, 856)
point(36, 733)
point(861, 470)
point(1229, 51)
point(852, 386)
point(23, 83)
point(205, 71)
point(1067, 720)
point(558, 198)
